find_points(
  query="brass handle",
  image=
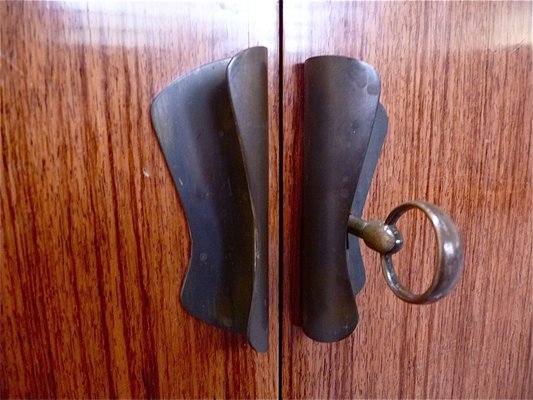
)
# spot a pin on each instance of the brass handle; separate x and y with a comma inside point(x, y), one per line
point(212, 124)
point(344, 130)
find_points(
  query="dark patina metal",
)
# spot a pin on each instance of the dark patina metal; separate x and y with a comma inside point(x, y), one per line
point(345, 127)
point(356, 268)
point(212, 125)
point(341, 101)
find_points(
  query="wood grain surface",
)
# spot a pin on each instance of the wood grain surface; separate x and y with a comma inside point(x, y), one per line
point(95, 244)
point(457, 83)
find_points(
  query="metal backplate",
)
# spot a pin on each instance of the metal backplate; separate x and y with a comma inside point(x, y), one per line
point(212, 125)
point(341, 101)
point(356, 268)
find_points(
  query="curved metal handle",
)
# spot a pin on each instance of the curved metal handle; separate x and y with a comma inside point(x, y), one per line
point(344, 129)
point(386, 239)
point(212, 125)
point(341, 102)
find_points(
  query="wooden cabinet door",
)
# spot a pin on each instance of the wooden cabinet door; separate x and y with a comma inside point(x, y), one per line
point(95, 243)
point(457, 83)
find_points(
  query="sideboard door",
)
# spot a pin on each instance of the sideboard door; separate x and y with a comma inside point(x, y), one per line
point(457, 83)
point(95, 244)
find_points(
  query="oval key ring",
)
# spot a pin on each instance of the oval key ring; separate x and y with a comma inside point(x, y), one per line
point(449, 261)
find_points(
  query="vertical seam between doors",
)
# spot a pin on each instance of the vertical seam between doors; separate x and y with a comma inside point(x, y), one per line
point(280, 200)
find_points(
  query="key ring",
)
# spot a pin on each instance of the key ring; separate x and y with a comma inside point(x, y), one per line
point(450, 255)
point(386, 239)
